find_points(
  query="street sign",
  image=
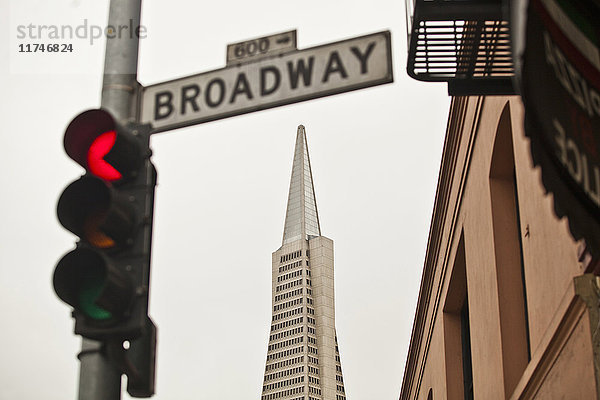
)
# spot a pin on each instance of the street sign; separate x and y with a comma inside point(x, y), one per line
point(289, 78)
point(267, 46)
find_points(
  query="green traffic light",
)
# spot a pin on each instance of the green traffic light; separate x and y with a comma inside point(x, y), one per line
point(91, 289)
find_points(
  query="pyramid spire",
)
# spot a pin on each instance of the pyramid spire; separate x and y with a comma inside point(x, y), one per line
point(301, 218)
point(303, 361)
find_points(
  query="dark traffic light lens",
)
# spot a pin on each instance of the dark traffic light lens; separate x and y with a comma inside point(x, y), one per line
point(92, 285)
point(93, 210)
point(92, 231)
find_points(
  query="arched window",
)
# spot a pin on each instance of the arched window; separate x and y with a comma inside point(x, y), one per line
point(508, 250)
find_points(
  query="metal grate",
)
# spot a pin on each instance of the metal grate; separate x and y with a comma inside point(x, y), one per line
point(465, 43)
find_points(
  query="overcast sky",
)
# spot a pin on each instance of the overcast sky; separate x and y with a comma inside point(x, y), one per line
point(221, 198)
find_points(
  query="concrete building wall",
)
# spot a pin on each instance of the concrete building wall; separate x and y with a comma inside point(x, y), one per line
point(498, 255)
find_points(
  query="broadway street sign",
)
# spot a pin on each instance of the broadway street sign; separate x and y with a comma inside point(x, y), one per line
point(269, 82)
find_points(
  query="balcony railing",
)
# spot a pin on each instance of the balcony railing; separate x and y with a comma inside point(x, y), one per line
point(463, 42)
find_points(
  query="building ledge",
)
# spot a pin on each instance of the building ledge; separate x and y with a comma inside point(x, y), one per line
point(577, 299)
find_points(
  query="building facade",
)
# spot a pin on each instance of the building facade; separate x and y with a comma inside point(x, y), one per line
point(508, 303)
point(303, 361)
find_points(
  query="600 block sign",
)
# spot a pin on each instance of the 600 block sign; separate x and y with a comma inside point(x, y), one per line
point(261, 47)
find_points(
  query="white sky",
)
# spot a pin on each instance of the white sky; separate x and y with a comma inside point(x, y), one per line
point(221, 198)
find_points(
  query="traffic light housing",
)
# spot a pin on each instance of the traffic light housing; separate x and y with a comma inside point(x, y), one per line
point(110, 208)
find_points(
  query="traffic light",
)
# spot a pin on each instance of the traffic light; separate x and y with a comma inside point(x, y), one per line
point(106, 277)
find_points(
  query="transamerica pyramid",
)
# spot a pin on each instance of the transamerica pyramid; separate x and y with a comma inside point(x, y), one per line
point(303, 361)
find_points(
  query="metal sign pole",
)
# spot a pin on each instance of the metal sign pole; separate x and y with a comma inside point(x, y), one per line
point(98, 378)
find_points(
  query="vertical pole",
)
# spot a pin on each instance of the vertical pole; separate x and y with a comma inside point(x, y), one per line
point(119, 89)
point(98, 378)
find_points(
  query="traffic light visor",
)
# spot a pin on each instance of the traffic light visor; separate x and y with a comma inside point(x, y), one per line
point(83, 131)
point(96, 142)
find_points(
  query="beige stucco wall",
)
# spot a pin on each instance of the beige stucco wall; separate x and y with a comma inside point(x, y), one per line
point(463, 207)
